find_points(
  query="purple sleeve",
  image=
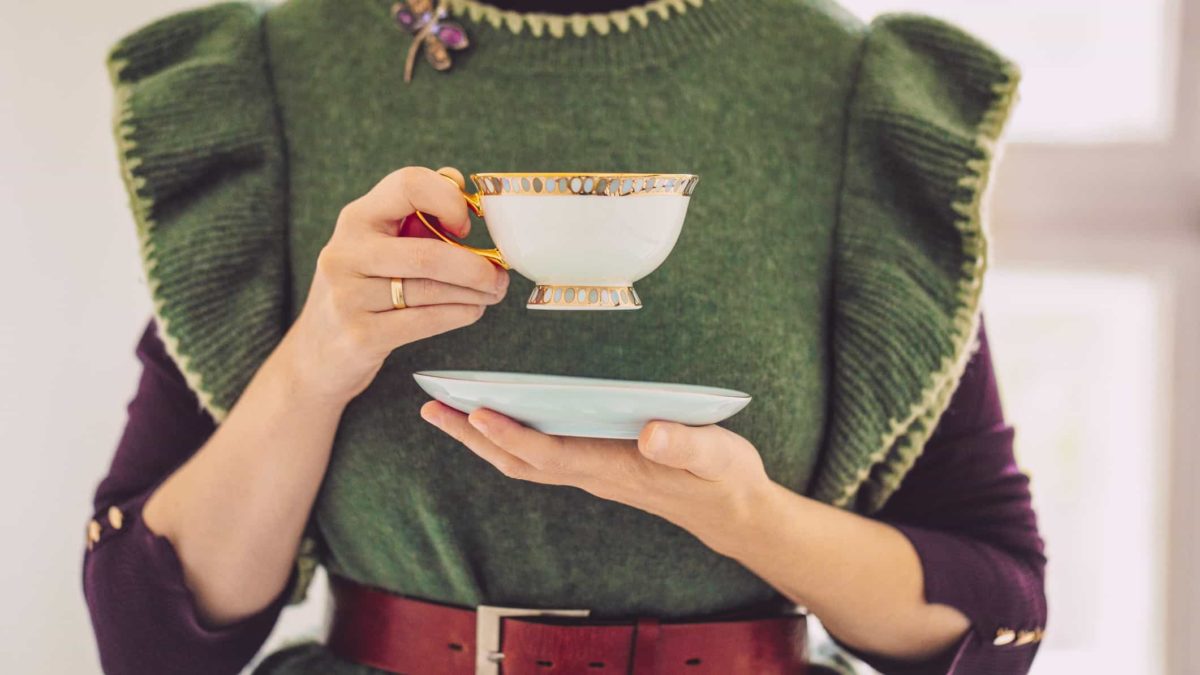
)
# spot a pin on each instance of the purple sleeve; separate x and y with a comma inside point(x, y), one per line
point(966, 508)
point(143, 614)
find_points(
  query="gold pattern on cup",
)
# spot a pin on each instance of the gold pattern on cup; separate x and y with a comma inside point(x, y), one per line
point(608, 185)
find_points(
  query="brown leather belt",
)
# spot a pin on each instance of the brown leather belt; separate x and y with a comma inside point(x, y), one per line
point(413, 637)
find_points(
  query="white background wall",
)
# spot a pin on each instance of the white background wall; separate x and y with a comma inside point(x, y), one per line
point(72, 303)
point(72, 300)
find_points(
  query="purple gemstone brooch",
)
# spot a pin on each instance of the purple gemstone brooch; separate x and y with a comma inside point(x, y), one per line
point(430, 29)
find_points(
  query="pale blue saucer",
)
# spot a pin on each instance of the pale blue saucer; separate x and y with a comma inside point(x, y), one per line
point(581, 406)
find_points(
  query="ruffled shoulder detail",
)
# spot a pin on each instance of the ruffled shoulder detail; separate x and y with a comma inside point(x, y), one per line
point(202, 156)
point(202, 159)
point(928, 109)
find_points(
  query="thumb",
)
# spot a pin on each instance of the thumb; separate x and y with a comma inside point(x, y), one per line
point(707, 452)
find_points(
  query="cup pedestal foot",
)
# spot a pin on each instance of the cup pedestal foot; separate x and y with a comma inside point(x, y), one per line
point(562, 296)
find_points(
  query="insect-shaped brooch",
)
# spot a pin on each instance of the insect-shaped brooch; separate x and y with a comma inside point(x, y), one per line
point(427, 22)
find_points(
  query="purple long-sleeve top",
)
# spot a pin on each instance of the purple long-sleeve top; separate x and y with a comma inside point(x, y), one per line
point(965, 507)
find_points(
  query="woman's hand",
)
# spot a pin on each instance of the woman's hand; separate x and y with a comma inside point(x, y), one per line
point(861, 577)
point(235, 512)
point(348, 324)
point(704, 479)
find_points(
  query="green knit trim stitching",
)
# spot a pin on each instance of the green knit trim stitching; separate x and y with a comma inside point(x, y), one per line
point(556, 25)
point(905, 440)
point(308, 559)
point(142, 206)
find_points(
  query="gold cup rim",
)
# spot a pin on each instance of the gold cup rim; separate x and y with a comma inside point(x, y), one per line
point(581, 183)
point(580, 174)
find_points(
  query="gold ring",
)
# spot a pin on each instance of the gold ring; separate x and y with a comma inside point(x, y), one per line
point(398, 294)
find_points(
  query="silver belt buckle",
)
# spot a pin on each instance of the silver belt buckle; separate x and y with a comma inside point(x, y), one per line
point(487, 632)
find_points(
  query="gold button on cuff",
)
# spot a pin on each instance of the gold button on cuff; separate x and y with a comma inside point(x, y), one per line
point(1026, 637)
point(1004, 636)
point(115, 517)
point(93, 534)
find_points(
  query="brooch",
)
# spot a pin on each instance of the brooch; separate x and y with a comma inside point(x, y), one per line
point(430, 29)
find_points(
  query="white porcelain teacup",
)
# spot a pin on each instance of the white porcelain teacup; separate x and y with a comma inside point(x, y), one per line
point(583, 238)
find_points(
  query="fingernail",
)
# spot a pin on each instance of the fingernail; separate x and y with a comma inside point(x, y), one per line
point(478, 423)
point(657, 443)
point(502, 282)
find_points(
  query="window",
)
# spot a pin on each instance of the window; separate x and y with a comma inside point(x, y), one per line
point(1077, 87)
point(1080, 367)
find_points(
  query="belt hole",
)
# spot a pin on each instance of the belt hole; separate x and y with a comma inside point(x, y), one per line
point(455, 646)
point(596, 664)
point(545, 664)
point(692, 662)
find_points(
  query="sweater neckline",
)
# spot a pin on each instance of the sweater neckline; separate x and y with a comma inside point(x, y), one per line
point(653, 34)
point(540, 24)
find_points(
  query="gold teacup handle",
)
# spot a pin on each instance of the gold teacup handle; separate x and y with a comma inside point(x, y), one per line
point(475, 203)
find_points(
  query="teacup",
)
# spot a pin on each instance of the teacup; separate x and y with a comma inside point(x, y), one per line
point(582, 238)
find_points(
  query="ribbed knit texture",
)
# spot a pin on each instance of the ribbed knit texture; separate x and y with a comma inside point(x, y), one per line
point(830, 264)
point(927, 111)
point(203, 158)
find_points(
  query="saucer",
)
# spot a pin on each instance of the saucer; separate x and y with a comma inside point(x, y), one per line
point(581, 406)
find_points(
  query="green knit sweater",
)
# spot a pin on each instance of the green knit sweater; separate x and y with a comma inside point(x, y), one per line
point(830, 264)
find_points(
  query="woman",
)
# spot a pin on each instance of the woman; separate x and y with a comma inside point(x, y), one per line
point(830, 265)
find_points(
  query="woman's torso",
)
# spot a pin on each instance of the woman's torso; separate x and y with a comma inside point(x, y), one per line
point(750, 97)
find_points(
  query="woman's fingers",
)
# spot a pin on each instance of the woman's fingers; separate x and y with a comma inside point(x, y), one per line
point(402, 192)
point(389, 330)
point(365, 242)
point(418, 258)
point(549, 455)
point(375, 294)
point(413, 258)
point(455, 424)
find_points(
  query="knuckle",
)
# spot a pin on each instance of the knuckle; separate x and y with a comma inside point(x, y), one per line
point(630, 470)
point(422, 257)
point(726, 461)
point(406, 179)
point(483, 276)
point(328, 260)
point(424, 289)
point(511, 468)
point(552, 464)
point(408, 174)
point(680, 453)
point(348, 213)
